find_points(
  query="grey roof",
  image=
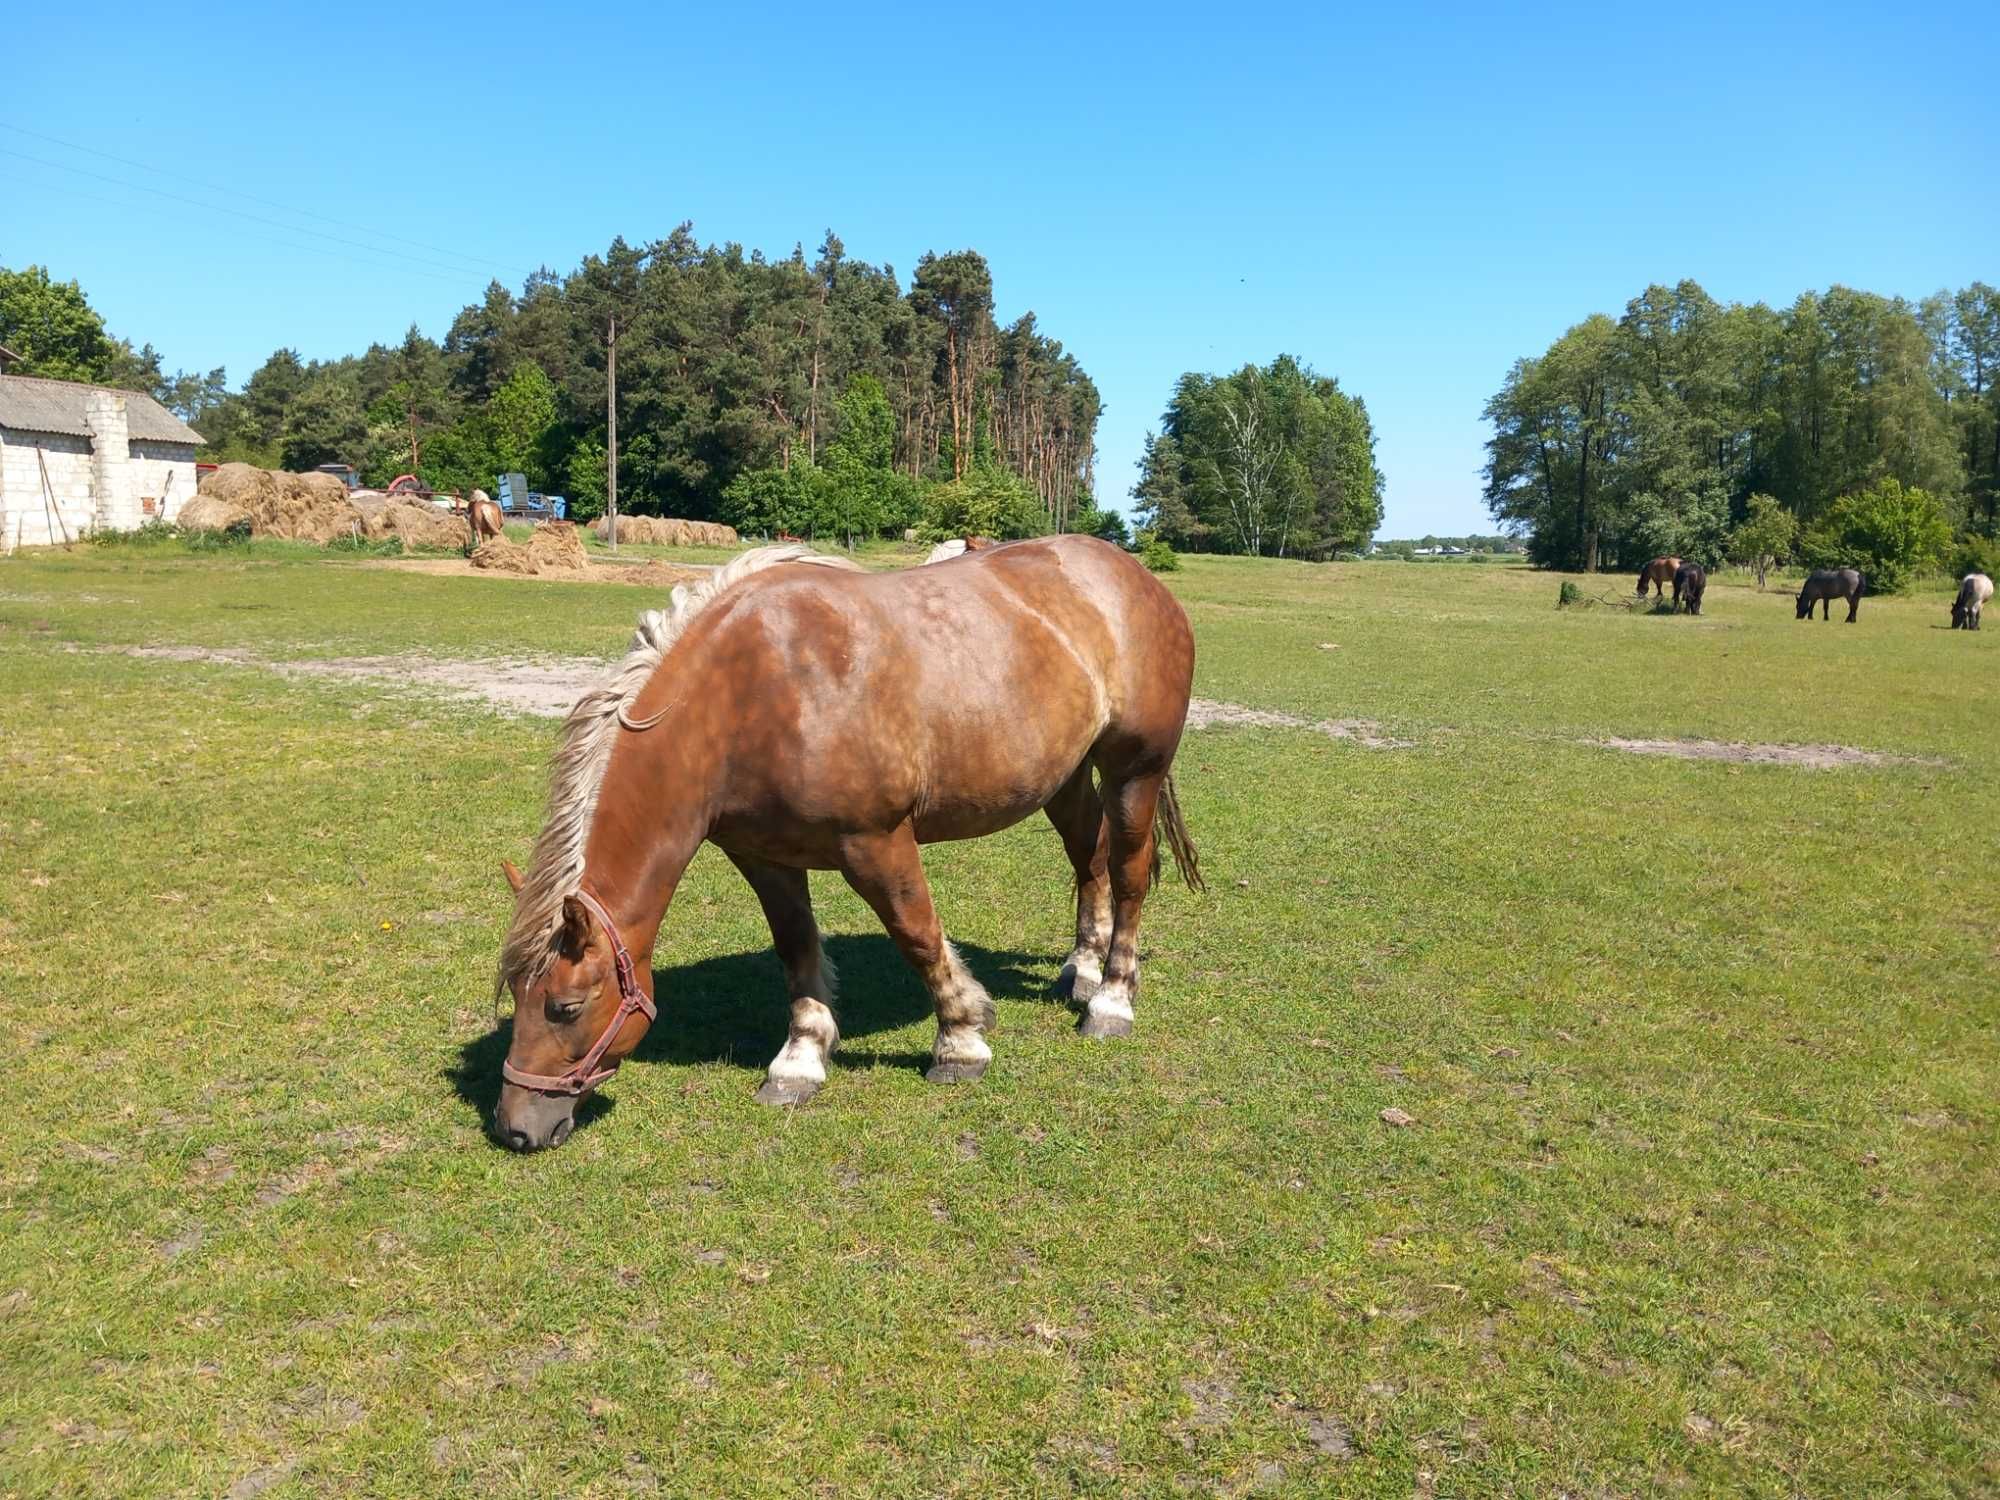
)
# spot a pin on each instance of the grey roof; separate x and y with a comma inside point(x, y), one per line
point(35, 405)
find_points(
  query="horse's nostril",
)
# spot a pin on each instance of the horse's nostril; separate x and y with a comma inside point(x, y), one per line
point(514, 1140)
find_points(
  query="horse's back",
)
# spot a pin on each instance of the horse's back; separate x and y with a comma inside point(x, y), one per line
point(965, 693)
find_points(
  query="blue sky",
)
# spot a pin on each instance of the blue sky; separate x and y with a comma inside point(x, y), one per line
point(1408, 200)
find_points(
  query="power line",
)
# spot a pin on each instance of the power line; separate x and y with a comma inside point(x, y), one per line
point(216, 208)
point(373, 265)
point(304, 213)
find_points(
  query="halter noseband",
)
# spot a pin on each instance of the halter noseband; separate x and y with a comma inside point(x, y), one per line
point(584, 1075)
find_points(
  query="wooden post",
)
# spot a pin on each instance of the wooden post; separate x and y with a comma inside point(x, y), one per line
point(49, 498)
point(611, 434)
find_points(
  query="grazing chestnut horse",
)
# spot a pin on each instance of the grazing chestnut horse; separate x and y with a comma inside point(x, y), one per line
point(484, 517)
point(1659, 573)
point(802, 714)
point(1825, 585)
point(1973, 592)
point(1690, 582)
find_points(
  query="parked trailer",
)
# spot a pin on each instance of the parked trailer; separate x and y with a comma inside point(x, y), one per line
point(522, 503)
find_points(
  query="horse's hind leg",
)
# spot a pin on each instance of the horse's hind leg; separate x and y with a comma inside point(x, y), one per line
point(799, 1069)
point(887, 872)
point(1128, 806)
point(1078, 815)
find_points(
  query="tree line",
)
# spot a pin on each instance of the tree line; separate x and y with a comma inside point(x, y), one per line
point(741, 381)
point(1848, 427)
point(1271, 460)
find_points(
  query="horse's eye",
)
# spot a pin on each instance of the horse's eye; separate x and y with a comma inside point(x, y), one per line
point(565, 1010)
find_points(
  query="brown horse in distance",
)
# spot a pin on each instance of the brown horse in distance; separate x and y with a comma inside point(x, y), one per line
point(801, 715)
point(484, 518)
point(1660, 574)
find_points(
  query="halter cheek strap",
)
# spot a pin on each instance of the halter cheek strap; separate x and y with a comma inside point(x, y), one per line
point(585, 1074)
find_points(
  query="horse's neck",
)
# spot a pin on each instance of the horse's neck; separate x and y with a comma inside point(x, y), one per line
point(652, 815)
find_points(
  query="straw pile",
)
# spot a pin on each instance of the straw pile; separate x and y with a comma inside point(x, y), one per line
point(302, 507)
point(418, 523)
point(210, 513)
point(666, 531)
point(553, 548)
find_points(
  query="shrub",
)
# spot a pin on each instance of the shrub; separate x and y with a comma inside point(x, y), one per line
point(354, 544)
point(1975, 554)
point(1890, 533)
point(986, 502)
point(216, 539)
point(1568, 594)
point(774, 502)
point(1156, 554)
point(1107, 525)
point(150, 534)
point(1766, 537)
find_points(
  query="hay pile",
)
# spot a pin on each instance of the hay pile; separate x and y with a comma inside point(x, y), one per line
point(554, 548)
point(665, 531)
point(417, 522)
point(210, 513)
point(655, 574)
point(302, 507)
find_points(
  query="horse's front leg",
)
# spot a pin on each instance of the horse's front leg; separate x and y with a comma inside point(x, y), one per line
point(799, 1069)
point(887, 872)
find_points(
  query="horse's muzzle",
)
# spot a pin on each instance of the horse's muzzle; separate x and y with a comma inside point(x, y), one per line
point(526, 1120)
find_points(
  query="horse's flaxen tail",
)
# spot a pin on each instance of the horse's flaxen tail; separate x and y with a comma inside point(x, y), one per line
point(1169, 825)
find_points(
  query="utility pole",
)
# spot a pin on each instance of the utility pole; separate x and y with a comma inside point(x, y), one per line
point(611, 432)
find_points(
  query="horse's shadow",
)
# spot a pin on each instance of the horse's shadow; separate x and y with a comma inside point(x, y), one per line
point(733, 1010)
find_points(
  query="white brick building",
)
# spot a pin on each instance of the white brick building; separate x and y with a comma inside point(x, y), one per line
point(115, 459)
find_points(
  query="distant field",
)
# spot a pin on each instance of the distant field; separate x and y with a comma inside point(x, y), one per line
point(1701, 1194)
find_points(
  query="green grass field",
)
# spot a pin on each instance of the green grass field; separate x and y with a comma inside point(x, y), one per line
point(1701, 1194)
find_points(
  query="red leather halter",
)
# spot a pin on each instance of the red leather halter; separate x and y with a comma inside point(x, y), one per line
point(584, 1074)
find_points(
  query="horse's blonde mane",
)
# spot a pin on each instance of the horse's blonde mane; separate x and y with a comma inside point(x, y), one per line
point(555, 870)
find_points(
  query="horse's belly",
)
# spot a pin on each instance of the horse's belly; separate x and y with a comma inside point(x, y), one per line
point(972, 819)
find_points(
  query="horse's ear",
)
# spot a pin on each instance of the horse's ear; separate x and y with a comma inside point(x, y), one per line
point(513, 875)
point(575, 935)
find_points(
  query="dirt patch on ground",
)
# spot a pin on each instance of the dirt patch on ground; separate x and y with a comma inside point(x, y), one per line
point(543, 688)
point(547, 687)
point(653, 575)
point(1206, 713)
point(1809, 757)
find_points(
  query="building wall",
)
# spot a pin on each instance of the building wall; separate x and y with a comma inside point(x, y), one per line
point(24, 517)
point(162, 473)
point(79, 480)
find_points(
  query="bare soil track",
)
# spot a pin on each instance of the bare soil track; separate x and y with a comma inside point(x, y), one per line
point(546, 687)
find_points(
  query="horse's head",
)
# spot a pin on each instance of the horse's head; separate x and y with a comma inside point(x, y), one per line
point(1805, 604)
point(574, 1021)
point(1958, 611)
point(1645, 577)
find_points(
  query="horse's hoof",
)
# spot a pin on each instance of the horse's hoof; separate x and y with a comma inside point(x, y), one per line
point(778, 1091)
point(1075, 986)
point(1104, 1024)
point(956, 1072)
